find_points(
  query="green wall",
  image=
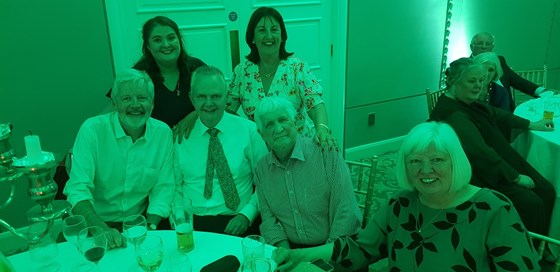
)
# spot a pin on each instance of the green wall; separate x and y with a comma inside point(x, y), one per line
point(55, 66)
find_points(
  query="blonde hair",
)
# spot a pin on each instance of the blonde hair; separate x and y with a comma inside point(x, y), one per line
point(444, 139)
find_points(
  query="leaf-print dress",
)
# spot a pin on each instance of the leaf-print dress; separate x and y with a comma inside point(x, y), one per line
point(484, 233)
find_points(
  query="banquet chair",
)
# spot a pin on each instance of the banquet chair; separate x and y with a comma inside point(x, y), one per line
point(364, 184)
point(537, 76)
point(432, 98)
point(542, 247)
point(62, 174)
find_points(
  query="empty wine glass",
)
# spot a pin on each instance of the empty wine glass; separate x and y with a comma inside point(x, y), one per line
point(179, 262)
point(149, 253)
point(71, 226)
point(92, 243)
point(42, 250)
point(135, 228)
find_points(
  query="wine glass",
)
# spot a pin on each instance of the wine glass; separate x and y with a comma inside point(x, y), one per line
point(149, 253)
point(135, 228)
point(92, 243)
point(71, 226)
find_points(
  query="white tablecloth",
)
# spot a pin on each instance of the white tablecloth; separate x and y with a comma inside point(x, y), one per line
point(542, 151)
point(208, 248)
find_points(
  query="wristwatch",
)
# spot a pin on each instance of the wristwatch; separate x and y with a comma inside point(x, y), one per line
point(152, 226)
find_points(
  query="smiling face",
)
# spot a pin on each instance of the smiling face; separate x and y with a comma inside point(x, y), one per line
point(208, 95)
point(492, 74)
point(467, 88)
point(134, 105)
point(482, 43)
point(279, 131)
point(430, 171)
point(268, 36)
point(164, 44)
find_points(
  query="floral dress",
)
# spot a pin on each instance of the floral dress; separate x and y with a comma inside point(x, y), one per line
point(484, 233)
point(293, 80)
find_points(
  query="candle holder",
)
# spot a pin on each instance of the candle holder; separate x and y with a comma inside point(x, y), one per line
point(41, 186)
point(7, 172)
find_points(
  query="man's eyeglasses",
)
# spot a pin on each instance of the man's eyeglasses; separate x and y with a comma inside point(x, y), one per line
point(484, 43)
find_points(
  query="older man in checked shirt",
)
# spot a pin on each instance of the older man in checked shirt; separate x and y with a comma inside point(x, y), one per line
point(305, 192)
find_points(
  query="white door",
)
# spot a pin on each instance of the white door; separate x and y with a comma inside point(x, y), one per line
point(209, 27)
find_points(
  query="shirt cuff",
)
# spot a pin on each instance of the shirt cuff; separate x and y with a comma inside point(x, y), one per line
point(250, 212)
point(539, 90)
point(159, 209)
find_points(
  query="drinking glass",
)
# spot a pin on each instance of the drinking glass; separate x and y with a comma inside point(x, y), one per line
point(42, 250)
point(92, 243)
point(179, 262)
point(261, 265)
point(149, 253)
point(135, 228)
point(183, 218)
point(71, 226)
point(253, 249)
point(548, 109)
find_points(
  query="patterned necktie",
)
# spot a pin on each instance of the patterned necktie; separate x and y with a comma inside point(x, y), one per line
point(217, 161)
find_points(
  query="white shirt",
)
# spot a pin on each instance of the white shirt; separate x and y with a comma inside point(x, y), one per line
point(118, 176)
point(243, 148)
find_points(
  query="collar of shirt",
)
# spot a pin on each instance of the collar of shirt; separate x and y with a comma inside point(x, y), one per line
point(119, 132)
point(297, 154)
point(200, 128)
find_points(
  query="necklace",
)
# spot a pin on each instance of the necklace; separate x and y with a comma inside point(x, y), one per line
point(261, 70)
point(418, 228)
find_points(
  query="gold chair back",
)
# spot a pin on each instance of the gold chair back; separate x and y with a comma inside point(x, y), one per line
point(537, 76)
point(364, 184)
point(432, 98)
point(544, 240)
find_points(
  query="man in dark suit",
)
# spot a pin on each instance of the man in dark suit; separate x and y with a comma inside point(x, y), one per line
point(484, 42)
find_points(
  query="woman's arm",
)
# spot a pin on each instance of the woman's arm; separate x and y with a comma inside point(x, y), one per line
point(323, 136)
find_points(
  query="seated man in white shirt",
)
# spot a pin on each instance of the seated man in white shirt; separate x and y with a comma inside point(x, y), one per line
point(216, 172)
point(123, 161)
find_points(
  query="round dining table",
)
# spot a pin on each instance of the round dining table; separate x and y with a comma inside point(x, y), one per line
point(209, 247)
point(542, 150)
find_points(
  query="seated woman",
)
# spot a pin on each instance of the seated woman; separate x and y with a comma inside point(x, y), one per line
point(491, 92)
point(483, 132)
point(438, 223)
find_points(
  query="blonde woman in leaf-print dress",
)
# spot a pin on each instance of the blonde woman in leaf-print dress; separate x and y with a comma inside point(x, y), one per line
point(271, 71)
point(438, 223)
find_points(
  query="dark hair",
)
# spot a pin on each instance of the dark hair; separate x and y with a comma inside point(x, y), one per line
point(456, 69)
point(260, 13)
point(148, 63)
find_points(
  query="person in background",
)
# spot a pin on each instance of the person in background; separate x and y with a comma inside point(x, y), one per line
point(165, 59)
point(482, 130)
point(214, 166)
point(491, 92)
point(484, 42)
point(439, 222)
point(122, 163)
point(305, 192)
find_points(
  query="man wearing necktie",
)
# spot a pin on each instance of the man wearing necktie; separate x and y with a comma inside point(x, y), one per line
point(214, 166)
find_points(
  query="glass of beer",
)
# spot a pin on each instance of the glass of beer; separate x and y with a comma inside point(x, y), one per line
point(183, 217)
point(549, 108)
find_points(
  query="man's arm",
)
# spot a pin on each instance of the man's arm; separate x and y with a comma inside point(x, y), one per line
point(517, 81)
point(271, 229)
point(343, 209)
point(164, 189)
point(114, 237)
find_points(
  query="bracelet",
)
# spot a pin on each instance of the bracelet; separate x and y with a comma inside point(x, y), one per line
point(325, 126)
